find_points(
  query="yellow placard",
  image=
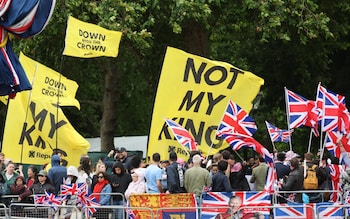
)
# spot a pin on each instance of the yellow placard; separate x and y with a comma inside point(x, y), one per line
point(50, 85)
point(194, 91)
point(87, 40)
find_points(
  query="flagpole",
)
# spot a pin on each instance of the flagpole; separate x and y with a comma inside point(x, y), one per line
point(273, 144)
point(287, 110)
point(212, 142)
point(28, 105)
point(58, 98)
point(310, 138)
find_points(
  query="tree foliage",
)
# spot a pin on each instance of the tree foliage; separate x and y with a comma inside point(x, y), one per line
point(288, 43)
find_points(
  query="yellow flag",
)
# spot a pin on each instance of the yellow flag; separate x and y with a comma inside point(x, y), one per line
point(87, 40)
point(194, 91)
point(33, 131)
point(49, 85)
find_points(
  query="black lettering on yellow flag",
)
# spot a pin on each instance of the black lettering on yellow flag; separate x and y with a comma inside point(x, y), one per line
point(194, 92)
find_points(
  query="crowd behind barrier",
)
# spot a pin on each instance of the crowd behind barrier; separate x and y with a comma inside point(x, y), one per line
point(212, 204)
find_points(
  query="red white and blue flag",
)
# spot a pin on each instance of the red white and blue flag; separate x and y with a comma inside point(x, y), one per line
point(182, 135)
point(277, 134)
point(237, 141)
point(90, 205)
point(325, 210)
point(334, 116)
point(335, 172)
point(236, 120)
point(332, 138)
point(301, 111)
point(214, 203)
point(53, 200)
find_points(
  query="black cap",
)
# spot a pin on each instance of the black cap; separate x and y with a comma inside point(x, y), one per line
point(122, 149)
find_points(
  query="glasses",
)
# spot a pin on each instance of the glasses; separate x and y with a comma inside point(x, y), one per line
point(41, 175)
point(101, 177)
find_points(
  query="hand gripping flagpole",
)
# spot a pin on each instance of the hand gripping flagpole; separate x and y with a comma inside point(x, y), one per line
point(287, 110)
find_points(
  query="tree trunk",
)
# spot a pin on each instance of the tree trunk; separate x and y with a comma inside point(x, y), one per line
point(109, 117)
point(197, 41)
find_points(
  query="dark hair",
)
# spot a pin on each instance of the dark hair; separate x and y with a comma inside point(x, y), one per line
point(85, 165)
point(222, 165)
point(156, 157)
point(136, 161)
point(225, 154)
point(281, 156)
point(172, 156)
point(105, 175)
point(232, 157)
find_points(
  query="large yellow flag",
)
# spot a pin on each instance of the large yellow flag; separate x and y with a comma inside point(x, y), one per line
point(50, 85)
point(87, 40)
point(35, 129)
point(194, 91)
point(35, 125)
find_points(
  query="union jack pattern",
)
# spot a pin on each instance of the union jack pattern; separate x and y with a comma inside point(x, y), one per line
point(182, 135)
point(325, 210)
point(90, 205)
point(335, 172)
point(277, 134)
point(213, 203)
point(331, 143)
point(236, 120)
point(52, 200)
point(301, 111)
point(237, 141)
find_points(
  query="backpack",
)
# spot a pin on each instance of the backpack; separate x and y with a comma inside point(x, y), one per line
point(311, 180)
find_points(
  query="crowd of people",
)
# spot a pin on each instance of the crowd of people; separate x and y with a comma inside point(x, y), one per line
point(118, 172)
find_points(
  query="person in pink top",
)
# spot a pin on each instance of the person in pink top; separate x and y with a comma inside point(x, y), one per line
point(138, 184)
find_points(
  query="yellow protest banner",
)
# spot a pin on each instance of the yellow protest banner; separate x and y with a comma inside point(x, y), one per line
point(194, 92)
point(34, 129)
point(87, 40)
point(50, 85)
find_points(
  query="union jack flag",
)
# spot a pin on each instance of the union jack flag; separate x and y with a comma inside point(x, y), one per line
point(90, 205)
point(277, 134)
point(331, 143)
point(52, 200)
point(335, 171)
point(182, 135)
point(214, 203)
point(236, 120)
point(237, 141)
point(69, 189)
point(333, 112)
point(301, 111)
point(39, 199)
point(325, 210)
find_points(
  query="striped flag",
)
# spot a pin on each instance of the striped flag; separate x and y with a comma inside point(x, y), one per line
point(277, 134)
point(182, 135)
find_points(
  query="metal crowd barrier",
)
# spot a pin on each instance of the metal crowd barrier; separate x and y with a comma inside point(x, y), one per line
point(279, 193)
point(106, 211)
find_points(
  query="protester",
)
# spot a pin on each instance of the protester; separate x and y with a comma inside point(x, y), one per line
point(119, 180)
point(220, 182)
point(175, 175)
point(125, 159)
point(57, 173)
point(102, 192)
point(32, 173)
point(196, 178)
point(72, 177)
point(154, 175)
point(259, 174)
point(238, 181)
point(138, 184)
point(294, 182)
point(9, 175)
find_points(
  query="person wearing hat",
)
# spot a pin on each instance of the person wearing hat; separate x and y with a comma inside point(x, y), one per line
point(42, 185)
point(125, 159)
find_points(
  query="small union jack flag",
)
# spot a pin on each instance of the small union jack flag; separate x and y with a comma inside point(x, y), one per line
point(182, 135)
point(277, 134)
point(39, 199)
point(301, 111)
point(52, 200)
point(91, 205)
point(236, 120)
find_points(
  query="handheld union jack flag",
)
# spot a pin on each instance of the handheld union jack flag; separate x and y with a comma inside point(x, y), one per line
point(237, 141)
point(91, 205)
point(236, 120)
point(182, 135)
point(52, 200)
point(332, 138)
point(334, 115)
point(301, 111)
point(39, 199)
point(277, 134)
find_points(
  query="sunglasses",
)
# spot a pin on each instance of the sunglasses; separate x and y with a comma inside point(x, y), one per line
point(101, 177)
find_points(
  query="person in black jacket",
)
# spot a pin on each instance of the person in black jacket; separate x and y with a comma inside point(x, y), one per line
point(294, 182)
point(175, 175)
point(119, 180)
